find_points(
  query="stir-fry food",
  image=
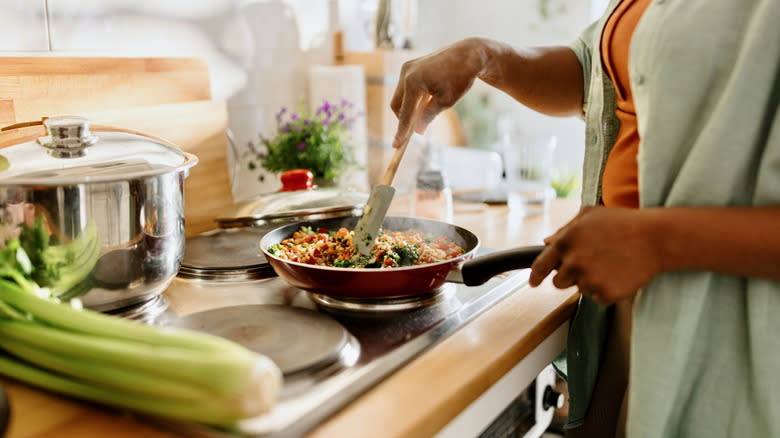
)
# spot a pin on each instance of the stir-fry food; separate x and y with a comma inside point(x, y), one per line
point(391, 249)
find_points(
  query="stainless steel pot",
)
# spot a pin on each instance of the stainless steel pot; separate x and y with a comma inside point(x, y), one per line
point(111, 205)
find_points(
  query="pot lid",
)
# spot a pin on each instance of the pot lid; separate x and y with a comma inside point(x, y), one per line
point(225, 254)
point(71, 154)
point(286, 207)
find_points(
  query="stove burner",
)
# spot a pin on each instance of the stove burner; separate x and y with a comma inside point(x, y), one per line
point(258, 272)
point(299, 341)
point(225, 255)
point(384, 304)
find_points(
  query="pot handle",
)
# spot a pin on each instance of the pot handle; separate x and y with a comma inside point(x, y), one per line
point(481, 269)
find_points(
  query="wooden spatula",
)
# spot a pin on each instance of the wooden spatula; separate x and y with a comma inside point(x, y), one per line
point(381, 195)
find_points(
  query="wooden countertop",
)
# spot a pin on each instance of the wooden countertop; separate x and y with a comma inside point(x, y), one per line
point(417, 400)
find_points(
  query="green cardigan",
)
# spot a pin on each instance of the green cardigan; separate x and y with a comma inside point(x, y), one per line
point(705, 347)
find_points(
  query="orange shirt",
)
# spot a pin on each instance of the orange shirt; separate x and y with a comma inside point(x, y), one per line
point(619, 186)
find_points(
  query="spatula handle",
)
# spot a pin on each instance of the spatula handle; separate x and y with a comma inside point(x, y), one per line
point(389, 175)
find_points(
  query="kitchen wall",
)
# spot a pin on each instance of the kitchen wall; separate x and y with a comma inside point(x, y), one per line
point(260, 52)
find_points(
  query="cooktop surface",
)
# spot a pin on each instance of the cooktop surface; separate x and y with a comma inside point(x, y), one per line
point(330, 351)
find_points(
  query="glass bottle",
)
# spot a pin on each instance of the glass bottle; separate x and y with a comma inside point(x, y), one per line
point(432, 193)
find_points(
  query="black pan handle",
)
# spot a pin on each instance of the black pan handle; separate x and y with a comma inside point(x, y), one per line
point(481, 269)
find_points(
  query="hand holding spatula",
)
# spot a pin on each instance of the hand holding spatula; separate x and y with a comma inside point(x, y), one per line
point(382, 194)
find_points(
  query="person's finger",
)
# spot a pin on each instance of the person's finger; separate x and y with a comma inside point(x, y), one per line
point(551, 238)
point(566, 276)
point(544, 264)
point(554, 236)
point(398, 95)
point(406, 115)
point(429, 111)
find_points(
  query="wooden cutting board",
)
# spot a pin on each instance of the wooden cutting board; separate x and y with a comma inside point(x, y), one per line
point(163, 97)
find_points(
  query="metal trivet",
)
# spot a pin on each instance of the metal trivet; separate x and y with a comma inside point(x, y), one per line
point(384, 304)
point(299, 341)
point(225, 255)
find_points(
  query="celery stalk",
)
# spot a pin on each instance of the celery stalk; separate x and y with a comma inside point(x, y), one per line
point(214, 412)
point(221, 373)
point(9, 311)
point(108, 326)
point(175, 373)
point(123, 379)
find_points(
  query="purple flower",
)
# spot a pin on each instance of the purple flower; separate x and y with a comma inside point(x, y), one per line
point(325, 108)
point(280, 113)
point(286, 127)
point(325, 121)
point(297, 128)
point(251, 147)
point(341, 116)
point(301, 146)
point(306, 121)
point(294, 116)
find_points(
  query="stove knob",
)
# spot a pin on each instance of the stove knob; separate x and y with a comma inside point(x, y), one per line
point(552, 398)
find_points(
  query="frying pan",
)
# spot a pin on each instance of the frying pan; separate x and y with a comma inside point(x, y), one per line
point(378, 283)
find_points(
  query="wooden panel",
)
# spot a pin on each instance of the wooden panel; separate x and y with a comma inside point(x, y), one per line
point(55, 85)
point(168, 98)
point(7, 111)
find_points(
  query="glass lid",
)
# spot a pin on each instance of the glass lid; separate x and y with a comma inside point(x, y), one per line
point(277, 207)
point(71, 154)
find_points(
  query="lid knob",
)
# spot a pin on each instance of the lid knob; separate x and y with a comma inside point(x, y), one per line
point(68, 136)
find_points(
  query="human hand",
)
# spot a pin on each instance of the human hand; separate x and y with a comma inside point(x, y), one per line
point(446, 75)
point(608, 253)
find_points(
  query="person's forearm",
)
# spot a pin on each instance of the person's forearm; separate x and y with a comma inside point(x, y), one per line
point(743, 241)
point(546, 79)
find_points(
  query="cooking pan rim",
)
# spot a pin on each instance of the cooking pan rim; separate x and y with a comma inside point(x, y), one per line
point(463, 257)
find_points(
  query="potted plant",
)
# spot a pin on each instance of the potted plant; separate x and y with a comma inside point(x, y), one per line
point(319, 142)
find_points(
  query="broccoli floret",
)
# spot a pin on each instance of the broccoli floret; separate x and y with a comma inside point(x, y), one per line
point(407, 254)
point(343, 263)
point(358, 261)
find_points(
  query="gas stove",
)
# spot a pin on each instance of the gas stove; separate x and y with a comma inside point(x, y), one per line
point(330, 351)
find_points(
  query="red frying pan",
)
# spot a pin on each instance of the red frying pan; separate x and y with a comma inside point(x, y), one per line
point(376, 283)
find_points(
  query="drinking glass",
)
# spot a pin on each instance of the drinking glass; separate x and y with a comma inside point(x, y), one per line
point(529, 164)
